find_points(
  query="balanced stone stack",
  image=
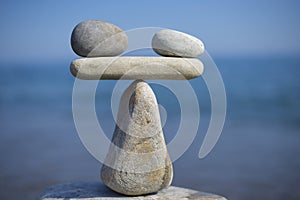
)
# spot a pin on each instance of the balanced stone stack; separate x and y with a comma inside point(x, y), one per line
point(100, 42)
point(137, 162)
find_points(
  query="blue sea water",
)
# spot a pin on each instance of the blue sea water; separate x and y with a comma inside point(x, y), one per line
point(257, 156)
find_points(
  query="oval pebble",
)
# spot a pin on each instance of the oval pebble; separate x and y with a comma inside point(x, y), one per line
point(94, 38)
point(177, 44)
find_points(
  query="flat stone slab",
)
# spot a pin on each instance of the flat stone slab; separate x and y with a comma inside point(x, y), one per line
point(98, 191)
point(139, 67)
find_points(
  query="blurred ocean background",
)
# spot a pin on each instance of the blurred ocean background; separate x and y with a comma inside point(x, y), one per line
point(255, 44)
point(257, 156)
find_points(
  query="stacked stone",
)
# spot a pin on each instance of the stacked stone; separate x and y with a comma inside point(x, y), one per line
point(137, 162)
point(100, 42)
point(177, 44)
point(94, 38)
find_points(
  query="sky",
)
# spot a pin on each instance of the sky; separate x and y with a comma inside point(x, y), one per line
point(39, 30)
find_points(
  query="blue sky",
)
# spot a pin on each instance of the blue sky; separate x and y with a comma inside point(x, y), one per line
point(39, 30)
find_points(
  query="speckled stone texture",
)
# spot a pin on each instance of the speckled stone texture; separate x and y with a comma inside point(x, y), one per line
point(137, 161)
point(95, 38)
point(140, 67)
point(98, 191)
point(174, 43)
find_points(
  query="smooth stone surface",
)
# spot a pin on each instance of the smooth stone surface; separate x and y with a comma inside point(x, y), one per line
point(94, 38)
point(98, 191)
point(174, 43)
point(136, 68)
point(137, 161)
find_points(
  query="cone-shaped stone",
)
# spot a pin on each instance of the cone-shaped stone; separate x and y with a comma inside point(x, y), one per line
point(137, 162)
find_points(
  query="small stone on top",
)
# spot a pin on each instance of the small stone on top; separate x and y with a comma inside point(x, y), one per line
point(94, 38)
point(176, 44)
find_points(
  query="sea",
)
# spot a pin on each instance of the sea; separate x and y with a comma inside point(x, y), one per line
point(256, 156)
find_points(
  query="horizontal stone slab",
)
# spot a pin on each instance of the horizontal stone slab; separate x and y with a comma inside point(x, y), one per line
point(127, 67)
point(98, 191)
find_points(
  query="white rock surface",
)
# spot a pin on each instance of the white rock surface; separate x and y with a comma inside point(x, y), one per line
point(128, 67)
point(137, 161)
point(98, 191)
point(94, 38)
point(174, 43)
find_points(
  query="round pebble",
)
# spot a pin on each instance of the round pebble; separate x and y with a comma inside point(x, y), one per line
point(94, 38)
point(177, 44)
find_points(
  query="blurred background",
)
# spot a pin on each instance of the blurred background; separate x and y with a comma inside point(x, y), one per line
point(255, 44)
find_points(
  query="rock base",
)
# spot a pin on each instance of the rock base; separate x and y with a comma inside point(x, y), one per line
point(98, 191)
point(137, 162)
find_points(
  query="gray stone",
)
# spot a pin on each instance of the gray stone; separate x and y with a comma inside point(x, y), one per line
point(136, 68)
point(94, 38)
point(174, 43)
point(98, 191)
point(137, 161)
